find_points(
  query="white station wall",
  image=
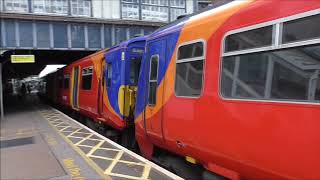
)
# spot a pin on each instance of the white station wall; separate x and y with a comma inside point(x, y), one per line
point(106, 9)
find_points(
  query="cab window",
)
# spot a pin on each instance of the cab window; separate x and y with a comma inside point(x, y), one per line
point(134, 70)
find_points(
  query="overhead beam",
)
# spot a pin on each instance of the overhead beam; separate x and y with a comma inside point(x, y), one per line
point(73, 19)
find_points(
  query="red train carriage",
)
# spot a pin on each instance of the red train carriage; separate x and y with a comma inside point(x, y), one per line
point(102, 88)
point(236, 90)
point(79, 87)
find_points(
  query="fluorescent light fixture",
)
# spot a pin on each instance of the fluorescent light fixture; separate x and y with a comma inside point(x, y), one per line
point(50, 69)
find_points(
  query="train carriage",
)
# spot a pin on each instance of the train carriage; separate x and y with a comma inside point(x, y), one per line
point(236, 90)
point(101, 88)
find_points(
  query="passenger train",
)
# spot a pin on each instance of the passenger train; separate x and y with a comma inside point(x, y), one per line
point(229, 93)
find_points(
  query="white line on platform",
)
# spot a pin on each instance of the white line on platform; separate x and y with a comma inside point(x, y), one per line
point(153, 165)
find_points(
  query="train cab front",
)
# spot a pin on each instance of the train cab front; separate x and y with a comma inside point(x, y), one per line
point(133, 63)
point(121, 72)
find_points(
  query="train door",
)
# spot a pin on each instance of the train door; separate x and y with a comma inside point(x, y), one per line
point(75, 89)
point(101, 88)
point(154, 97)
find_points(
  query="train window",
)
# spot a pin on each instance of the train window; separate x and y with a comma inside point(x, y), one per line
point(66, 81)
point(109, 74)
point(256, 38)
point(295, 30)
point(153, 79)
point(87, 78)
point(190, 51)
point(134, 70)
point(189, 70)
point(283, 75)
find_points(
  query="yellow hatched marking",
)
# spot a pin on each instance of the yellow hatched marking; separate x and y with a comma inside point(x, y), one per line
point(88, 160)
point(114, 162)
point(83, 145)
point(62, 126)
point(95, 139)
point(83, 140)
point(124, 176)
point(100, 157)
point(121, 161)
point(79, 136)
point(146, 171)
point(74, 132)
point(110, 149)
point(56, 125)
point(55, 120)
point(65, 128)
point(95, 148)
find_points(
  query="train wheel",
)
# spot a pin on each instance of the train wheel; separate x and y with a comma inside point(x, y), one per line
point(181, 167)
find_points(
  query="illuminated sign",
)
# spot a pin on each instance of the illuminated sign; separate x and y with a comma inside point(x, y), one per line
point(22, 59)
point(137, 50)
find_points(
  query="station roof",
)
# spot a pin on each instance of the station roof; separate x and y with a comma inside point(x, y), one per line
point(42, 58)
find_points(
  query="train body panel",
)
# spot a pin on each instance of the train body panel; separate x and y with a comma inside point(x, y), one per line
point(234, 137)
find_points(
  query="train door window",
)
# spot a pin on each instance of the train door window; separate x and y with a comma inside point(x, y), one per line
point(153, 79)
point(109, 74)
point(87, 78)
point(134, 70)
point(66, 81)
point(295, 30)
point(189, 69)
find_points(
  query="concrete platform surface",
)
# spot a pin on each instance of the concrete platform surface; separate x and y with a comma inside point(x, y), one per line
point(40, 142)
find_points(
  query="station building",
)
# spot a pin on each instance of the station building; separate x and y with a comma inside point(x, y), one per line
point(83, 24)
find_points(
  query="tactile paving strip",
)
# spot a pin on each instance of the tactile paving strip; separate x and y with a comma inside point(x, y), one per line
point(106, 158)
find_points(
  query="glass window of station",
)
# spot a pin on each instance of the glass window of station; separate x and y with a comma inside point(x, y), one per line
point(153, 10)
point(16, 5)
point(260, 64)
point(77, 7)
point(50, 6)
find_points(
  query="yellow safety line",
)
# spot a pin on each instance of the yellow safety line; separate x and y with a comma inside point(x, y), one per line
point(114, 162)
point(79, 151)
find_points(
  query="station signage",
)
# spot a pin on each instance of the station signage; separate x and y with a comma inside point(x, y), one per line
point(22, 59)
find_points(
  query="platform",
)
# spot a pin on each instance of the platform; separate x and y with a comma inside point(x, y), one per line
point(40, 142)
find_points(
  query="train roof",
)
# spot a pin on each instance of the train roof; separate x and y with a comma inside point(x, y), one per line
point(179, 23)
point(124, 44)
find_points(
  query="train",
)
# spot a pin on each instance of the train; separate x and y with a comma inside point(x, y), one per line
point(229, 93)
